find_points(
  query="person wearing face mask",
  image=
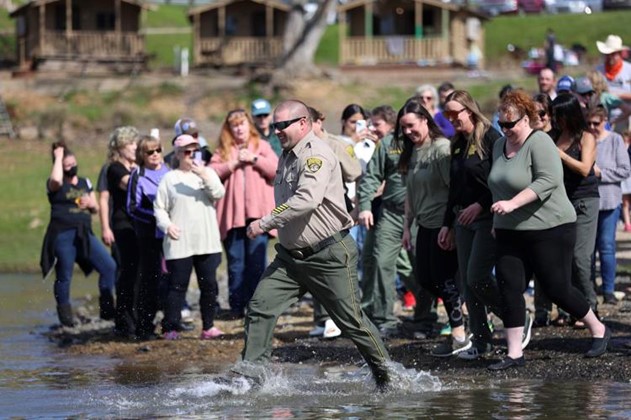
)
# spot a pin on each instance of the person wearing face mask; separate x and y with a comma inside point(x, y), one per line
point(122, 158)
point(69, 236)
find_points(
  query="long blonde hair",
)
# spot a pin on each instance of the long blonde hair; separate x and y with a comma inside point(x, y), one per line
point(226, 139)
point(481, 124)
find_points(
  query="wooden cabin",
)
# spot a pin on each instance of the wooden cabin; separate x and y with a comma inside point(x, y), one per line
point(60, 33)
point(238, 32)
point(422, 32)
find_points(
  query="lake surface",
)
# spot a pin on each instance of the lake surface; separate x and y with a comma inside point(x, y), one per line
point(37, 379)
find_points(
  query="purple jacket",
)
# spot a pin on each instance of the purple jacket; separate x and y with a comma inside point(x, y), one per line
point(141, 192)
point(444, 124)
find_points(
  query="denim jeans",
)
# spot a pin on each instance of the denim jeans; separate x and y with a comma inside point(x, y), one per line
point(606, 247)
point(66, 253)
point(247, 259)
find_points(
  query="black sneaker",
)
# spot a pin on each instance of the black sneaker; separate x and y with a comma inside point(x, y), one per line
point(599, 345)
point(610, 299)
point(508, 362)
point(450, 347)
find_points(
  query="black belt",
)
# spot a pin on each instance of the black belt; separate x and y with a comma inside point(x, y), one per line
point(306, 252)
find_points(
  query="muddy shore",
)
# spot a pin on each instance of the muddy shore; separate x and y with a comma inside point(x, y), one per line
point(554, 353)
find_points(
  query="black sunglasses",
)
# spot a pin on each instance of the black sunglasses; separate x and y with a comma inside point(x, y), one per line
point(282, 125)
point(509, 124)
point(189, 152)
point(541, 113)
point(151, 152)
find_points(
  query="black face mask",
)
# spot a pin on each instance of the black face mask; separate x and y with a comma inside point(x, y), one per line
point(72, 171)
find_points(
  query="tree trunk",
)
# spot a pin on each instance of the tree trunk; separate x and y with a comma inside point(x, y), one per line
point(300, 42)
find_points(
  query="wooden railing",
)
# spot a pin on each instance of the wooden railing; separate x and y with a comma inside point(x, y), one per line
point(394, 49)
point(238, 50)
point(93, 44)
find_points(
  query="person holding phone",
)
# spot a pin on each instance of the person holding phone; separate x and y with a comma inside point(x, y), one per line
point(185, 211)
point(246, 165)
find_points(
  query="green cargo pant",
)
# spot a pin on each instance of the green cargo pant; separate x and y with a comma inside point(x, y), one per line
point(331, 277)
point(381, 256)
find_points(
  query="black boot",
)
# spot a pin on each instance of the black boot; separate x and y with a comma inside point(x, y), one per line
point(64, 312)
point(106, 305)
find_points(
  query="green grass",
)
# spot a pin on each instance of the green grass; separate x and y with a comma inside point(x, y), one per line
point(168, 16)
point(529, 31)
point(161, 48)
point(329, 48)
point(25, 208)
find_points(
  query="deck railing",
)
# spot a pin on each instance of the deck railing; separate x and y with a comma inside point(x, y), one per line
point(239, 50)
point(393, 49)
point(93, 44)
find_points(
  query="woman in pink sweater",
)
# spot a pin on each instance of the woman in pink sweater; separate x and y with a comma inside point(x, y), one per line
point(246, 165)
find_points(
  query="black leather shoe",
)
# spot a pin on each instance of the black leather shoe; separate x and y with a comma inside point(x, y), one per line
point(599, 345)
point(508, 362)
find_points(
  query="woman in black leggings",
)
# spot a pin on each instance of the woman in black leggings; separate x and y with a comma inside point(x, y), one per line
point(534, 225)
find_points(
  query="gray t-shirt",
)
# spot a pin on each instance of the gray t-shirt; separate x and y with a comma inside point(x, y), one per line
point(427, 182)
point(537, 166)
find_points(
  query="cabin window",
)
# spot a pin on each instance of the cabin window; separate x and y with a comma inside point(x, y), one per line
point(60, 18)
point(105, 21)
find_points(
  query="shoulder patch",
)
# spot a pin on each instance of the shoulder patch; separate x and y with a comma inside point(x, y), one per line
point(278, 210)
point(313, 164)
point(350, 150)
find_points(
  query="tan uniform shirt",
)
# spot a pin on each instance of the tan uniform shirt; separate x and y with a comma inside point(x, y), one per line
point(351, 168)
point(309, 195)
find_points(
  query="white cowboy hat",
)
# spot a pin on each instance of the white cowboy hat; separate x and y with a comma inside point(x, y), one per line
point(612, 44)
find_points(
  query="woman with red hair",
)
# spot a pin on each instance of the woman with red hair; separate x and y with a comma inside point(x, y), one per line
point(246, 165)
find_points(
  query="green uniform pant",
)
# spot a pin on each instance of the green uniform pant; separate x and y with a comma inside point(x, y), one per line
point(381, 255)
point(331, 277)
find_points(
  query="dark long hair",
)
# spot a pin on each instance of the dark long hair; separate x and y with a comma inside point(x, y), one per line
point(351, 110)
point(413, 106)
point(567, 109)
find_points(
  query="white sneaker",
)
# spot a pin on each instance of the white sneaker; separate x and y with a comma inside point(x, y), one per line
point(318, 331)
point(331, 330)
point(187, 316)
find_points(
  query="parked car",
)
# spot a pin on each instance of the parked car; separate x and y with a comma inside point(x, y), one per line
point(616, 4)
point(574, 6)
point(502, 7)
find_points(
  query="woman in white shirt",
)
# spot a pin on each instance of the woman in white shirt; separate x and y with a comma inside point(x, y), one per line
point(185, 212)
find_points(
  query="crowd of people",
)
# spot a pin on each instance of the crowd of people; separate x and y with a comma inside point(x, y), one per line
point(437, 201)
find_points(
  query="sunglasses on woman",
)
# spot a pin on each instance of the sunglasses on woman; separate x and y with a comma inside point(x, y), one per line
point(189, 152)
point(507, 125)
point(151, 152)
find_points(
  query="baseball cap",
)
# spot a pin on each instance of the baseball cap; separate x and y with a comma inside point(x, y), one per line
point(566, 84)
point(185, 126)
point(583, 86)
point(184, 140)
point(261, 107)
